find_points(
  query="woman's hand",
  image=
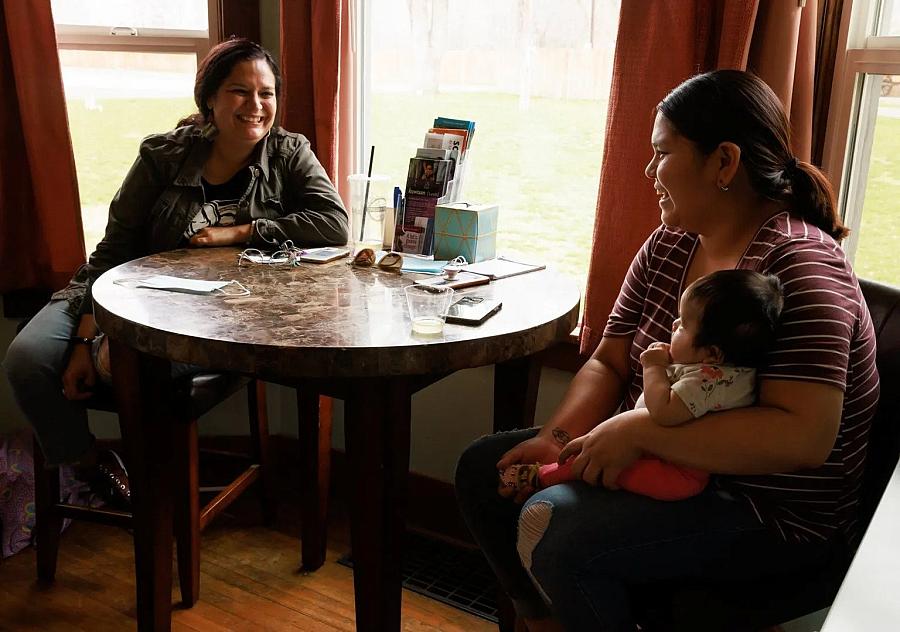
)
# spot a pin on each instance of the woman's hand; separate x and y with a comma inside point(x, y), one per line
point(602, 454)
point(540, 449)
point(79, 377)
point(222, 235)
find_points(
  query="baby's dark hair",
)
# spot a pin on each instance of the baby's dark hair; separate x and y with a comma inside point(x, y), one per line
point(739, 310)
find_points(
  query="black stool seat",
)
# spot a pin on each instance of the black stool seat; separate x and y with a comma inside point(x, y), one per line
point(195, 395)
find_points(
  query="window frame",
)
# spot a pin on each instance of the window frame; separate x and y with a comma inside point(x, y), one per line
point(145, 40)
point(360, 35)
point(129, 39)
point(853, 109)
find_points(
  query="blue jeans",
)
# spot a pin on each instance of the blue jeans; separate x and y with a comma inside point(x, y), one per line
point(575, 552)
point(34, 364)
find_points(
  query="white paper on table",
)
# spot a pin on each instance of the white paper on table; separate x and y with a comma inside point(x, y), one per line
point(177, 284)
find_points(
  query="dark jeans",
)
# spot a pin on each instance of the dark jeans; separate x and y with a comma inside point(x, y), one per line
point(34, 364)
point(576, 552)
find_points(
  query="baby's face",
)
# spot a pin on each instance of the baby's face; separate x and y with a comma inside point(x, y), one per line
point(684, 331)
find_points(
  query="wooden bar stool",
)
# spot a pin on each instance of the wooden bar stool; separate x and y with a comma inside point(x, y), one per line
point(195, 395)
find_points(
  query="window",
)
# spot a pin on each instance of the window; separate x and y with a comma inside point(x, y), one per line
point(128, 70)
point(863, 143)
point(537, 89)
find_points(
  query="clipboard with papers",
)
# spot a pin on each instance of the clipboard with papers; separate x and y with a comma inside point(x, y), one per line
point(501, 268)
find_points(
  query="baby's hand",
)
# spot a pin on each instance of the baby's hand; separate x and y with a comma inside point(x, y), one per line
point(657, 354)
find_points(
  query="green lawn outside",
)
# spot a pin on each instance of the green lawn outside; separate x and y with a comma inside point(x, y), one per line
point(879, 234)
point(541, 165)
point(105, 143)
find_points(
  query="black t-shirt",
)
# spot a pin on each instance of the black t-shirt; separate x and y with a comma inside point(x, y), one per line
point(221, 206)
point(230, 191)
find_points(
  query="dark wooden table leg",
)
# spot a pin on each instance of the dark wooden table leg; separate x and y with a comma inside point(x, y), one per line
point(377, 424)
point(186, 496)
point(141, 383)
point(259, 436)
point(315, 462)
point(396, 429)
point(48, 521)
point(515, 393)
point(515, 398)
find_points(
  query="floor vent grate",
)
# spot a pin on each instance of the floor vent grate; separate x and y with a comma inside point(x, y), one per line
point(450, 574)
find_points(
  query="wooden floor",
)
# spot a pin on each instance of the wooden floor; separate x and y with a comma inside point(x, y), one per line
point(249, 581)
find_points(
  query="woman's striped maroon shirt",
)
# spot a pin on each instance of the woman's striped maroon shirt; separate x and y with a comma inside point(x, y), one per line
point(825, 335)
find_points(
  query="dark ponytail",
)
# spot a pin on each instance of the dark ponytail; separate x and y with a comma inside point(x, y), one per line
point(192, 119)
point(738, 107)
point(813, 199)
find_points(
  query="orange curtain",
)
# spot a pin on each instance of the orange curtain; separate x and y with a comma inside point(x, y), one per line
point(669, 41)
point(317, 98)
point(783, 53)
point(41, 241)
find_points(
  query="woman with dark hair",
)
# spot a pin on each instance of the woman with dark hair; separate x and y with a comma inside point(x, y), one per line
point(225, 176)
point(786, 471)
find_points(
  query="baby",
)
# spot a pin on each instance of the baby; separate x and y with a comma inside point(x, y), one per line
point(726, 325)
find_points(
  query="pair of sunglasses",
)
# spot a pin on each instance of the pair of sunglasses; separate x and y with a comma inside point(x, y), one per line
point(365, 258)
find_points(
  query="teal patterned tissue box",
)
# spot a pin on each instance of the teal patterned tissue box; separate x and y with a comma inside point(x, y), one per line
point(465, 229)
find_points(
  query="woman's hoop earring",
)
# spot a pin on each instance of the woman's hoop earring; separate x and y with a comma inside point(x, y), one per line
point(723, 187)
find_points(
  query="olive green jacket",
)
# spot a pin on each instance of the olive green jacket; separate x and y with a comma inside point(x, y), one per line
point(289, 197)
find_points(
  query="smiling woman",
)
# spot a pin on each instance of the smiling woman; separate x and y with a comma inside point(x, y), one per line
point(243, 108)
point(675, 167)
point(787, 469)
point(224, 176)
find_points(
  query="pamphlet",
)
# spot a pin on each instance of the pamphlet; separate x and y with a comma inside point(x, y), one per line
point(435, 176)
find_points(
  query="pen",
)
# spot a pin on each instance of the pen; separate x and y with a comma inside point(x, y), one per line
point(521, 263)
point(398, 208)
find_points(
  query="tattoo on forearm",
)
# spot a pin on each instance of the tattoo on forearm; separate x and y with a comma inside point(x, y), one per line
point(561, 436)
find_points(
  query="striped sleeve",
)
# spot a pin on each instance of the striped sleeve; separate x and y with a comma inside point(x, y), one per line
point(819, 318)
point(825, 335)
point(626, 313)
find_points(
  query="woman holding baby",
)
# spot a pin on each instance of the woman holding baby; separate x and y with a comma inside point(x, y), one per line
point(785, 470)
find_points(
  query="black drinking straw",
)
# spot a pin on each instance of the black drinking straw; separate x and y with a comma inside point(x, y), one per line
point(362, 226)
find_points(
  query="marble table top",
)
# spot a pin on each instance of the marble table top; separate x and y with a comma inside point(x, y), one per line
point(320, 320)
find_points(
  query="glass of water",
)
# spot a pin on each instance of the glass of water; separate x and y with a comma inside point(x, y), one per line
point(428, 308)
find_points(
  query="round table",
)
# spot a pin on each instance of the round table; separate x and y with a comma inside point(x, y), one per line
point(331, 329)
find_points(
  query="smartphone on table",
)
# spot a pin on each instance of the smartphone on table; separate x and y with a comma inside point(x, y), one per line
point(472, 310)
